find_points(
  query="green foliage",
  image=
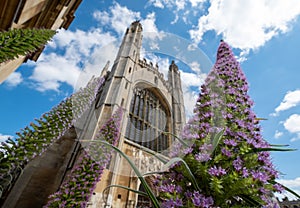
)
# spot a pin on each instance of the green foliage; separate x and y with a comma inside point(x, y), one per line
point(34, 139)
point(16, 42)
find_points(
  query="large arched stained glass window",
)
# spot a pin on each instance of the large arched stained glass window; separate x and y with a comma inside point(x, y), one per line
point(148, 118)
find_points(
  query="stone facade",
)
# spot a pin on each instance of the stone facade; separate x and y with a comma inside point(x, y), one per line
point(286, 203)
point(132, 83)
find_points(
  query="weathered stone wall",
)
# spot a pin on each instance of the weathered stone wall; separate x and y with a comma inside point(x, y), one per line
point(43, 175)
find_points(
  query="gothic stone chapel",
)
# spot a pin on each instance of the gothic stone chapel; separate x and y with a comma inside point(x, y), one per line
point(151, 105)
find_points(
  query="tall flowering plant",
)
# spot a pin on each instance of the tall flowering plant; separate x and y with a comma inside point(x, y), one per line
point(16, 42)
point(78, 187)
point(228, 157)
point(34, 139)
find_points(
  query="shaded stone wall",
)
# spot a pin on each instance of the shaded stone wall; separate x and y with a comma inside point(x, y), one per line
point(43, 175)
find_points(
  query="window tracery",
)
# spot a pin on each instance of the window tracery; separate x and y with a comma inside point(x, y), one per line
point(147, 120)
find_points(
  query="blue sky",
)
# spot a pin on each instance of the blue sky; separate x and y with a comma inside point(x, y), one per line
point(264, 36)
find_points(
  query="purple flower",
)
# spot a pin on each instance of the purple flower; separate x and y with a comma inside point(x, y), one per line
point(188, 150)
point(226, 152)
point(261, 176)
point(202, 157)
point(171, 203)
point(230, 142)
point(238, 164)
point(169, 188)
point(199, 200)
point(223, 103)
point(278, 188)
point(216, 171)
point(206, 147)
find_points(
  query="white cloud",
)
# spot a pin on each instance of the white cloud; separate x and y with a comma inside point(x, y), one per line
point(192, 79)
point(103, 17)
point(292, 125)
point(293, 184)
point(291, 99)
point(119, 17)
point(195, 3)
point(177, 4)
point(52, 70)
point(190, 98)
point(278, 134)
point(84, 53)
point(247, 24)
point(82, 41)
point(157, 3)
point(150, 30)
point(162, 3)
point(79, 49)
point(149, 23)
point(180, 4)
point(195, 66)
point(180, 8)
point(14, 79)
point(175, 20)
point(163, 63)
point(4, 137)
point(190, 95)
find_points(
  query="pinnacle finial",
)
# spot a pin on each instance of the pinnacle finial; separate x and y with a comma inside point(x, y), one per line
point(173, 66)
point(136, 24)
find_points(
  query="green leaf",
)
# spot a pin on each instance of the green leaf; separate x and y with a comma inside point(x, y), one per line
point(151, 152)
point(153, 173)
point(127, 188)
point(22, 41)
point(179, 139)
point(279, 145)
point(137, 172)
point(216, 139)
point(286, 188)
point(261, 119)
point(265, 149)
point(185, 165)
point(251, 201)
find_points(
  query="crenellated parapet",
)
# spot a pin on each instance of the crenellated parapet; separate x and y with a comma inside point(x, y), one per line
point(143, 63)
point(154, 69)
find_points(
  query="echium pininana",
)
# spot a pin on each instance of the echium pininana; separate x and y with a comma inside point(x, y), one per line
point(79, 185)
point(234, 172)
point(33, 140)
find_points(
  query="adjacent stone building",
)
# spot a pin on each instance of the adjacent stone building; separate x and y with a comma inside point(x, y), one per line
point(48, 14)
point(286, 203)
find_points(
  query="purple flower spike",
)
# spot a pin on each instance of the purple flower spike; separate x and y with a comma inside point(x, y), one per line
point(230, 163)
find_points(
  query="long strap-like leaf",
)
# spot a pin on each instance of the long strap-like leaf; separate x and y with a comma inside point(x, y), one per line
point(191, 175)
point(286, 188)
point(148, 190)
point(125, 187)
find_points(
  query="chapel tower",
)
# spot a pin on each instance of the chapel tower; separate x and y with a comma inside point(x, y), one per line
point(151, 105)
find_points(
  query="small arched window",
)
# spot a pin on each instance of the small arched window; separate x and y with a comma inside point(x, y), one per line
point(129, 70)
point(155, 80)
